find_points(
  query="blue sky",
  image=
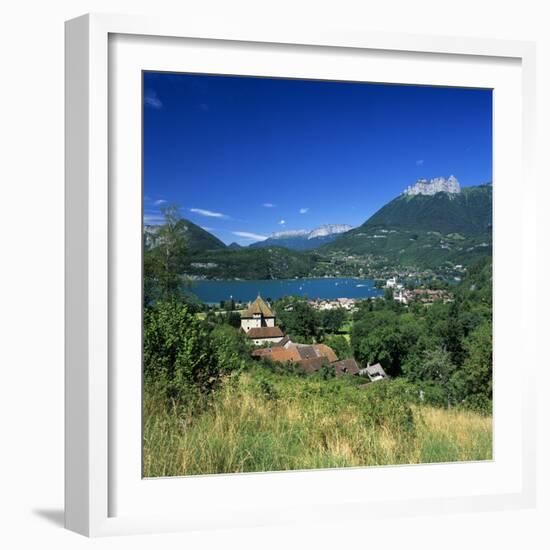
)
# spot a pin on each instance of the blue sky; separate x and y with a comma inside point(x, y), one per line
point(244, 157)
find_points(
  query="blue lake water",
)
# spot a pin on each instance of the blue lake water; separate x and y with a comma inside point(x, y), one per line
point(244, 291)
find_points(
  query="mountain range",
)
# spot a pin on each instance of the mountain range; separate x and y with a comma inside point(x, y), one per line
point(303, 239)
point(431, 224)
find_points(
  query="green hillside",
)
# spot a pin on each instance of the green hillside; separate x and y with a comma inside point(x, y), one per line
point(468, 212)
point(251, 263)
point(196, 238)
point(425, 230)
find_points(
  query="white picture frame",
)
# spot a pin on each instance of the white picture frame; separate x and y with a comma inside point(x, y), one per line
point(103, 424)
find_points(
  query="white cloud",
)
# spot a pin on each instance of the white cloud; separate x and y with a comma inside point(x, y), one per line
point(282, 222)
point(420, 162)
point(268, 205)
point(304, 210)
point(251, 236)
point(207, 228)
point(159, 202)
point(151, 99)
point(208, 213)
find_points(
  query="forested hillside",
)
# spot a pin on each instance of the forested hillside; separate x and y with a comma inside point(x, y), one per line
point(425, 230)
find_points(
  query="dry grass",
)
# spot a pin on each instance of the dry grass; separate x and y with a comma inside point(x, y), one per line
point(288, 423)
point(462, 435)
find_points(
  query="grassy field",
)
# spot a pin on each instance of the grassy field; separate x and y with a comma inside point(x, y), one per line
point(266, 421)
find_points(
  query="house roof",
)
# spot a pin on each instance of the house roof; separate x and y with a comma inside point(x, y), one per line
point(376, 370)
point(346, 366)
point(327, 352)
point(264, 332)
point(258, 307)
point(282, 354)
point(317, 350)
point(283, 342)
point(310, 357)
point(277, 354)
point(307, 352)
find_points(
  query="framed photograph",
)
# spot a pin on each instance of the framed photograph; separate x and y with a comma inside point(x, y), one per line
point(297, 275)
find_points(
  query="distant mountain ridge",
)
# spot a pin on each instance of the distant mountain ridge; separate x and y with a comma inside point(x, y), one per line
point(303, 239)
point(422, 228)
point(196, 238)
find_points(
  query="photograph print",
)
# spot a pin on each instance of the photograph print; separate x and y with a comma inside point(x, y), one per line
point(317, 274)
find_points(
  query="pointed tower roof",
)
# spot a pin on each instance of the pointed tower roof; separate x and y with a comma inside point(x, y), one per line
point(258, 307)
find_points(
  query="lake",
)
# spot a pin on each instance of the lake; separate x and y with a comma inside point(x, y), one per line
point(212, 292)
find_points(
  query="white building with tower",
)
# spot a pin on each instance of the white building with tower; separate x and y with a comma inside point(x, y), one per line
point(258, 323)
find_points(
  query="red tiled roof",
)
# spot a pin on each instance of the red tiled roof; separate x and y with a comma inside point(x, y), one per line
point(282, 354)
point(346, 366)
point(277, 354)
point(327, 352)
point(264, 332)
point(311, 357)
point(307, 352)
point(262, 352)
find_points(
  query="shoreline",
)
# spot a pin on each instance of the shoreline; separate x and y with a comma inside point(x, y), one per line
point(237, 280)
point(213, 291)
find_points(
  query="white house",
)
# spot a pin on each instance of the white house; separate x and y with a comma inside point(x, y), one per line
point(258, 323)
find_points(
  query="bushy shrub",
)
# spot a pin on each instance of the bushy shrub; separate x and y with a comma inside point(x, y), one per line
point(267, 390)
point(326, 372)
point(339, 345)
point(182, 357)
point(432, 393)
point(389, 403)
point(230, 348)
point(473, 382)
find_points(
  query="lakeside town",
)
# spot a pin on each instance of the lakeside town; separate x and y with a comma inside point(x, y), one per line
point(257, 321)
point(425, 294)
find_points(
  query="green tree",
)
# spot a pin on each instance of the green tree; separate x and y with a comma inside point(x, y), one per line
point(178, 356)
point(301, 321)
point(164, 261)
point(333, 319)
point(437, 366)
point(230, 349)
point(376, 337)
point(233, 319)
point(339, 345)
point(473, 383)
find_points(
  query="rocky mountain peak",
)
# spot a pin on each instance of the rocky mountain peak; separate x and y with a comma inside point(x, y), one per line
point(433, 186)
point(329, 229)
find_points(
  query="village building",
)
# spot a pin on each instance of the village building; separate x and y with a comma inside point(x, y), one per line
point(391, 283)
point(258, 323)
point(374, 372)
point(425, 296)
point(338, 303)
point(346, 366)
point(310, 357)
